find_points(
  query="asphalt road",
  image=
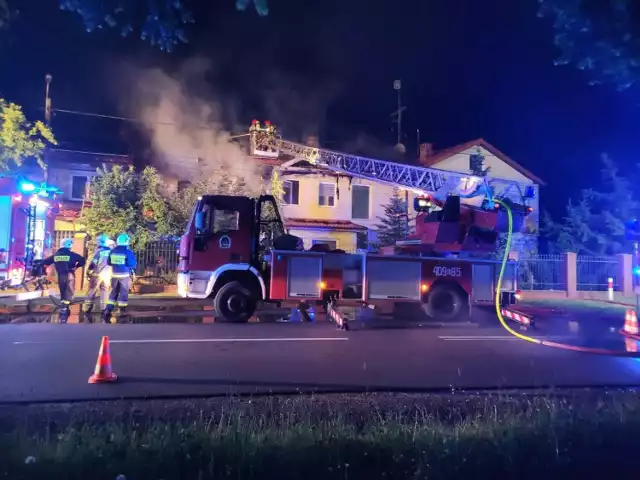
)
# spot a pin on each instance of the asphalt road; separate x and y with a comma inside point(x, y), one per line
point(48, 361)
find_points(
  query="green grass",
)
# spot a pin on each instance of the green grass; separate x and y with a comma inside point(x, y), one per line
point(573, 435)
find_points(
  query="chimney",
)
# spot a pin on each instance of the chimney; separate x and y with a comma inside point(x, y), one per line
point(426, 150)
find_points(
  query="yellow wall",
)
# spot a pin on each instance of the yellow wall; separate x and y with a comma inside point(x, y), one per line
point(67, 226)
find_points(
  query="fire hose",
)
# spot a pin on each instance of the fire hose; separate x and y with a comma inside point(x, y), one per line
point(527, 338)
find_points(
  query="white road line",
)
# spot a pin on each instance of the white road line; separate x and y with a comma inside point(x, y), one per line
point(470, 338)
point(205, 340)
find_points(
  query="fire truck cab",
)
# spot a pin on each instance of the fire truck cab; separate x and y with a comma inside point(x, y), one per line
point(235, 251)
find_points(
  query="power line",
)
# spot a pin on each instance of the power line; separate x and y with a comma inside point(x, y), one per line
point(133, 120)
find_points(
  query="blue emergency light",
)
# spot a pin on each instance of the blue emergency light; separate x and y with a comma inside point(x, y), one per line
point(636, 271)
point(27, 187)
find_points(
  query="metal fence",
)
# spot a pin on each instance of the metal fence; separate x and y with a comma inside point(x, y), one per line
point(542, 272)
point(159, 260)
point(593, 273)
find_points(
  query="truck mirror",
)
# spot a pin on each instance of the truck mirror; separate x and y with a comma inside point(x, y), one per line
point(199, 220)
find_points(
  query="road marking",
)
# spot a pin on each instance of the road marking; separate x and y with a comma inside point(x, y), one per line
point(205, 340)
point(504, 338)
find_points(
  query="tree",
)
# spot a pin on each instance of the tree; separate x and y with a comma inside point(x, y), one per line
point(595, 223)
point(393, 226)
point(19, 138)
point(123, 200)
point(160, 22)
point(599, 36)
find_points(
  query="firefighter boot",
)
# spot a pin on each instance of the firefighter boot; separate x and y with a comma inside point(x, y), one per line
point(106, 314)
point(64, 314)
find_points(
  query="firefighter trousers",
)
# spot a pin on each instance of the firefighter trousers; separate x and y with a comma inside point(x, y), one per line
point(67, 285)
point(119, 295)
point(97, 285)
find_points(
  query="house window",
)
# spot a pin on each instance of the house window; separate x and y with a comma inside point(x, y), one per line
point(333, 244)
point(362, 240)
point(79, 187)
point(291, 194)
point(360, 202)
point(327, 195)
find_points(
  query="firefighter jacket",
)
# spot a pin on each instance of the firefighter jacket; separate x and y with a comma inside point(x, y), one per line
point(65, 261)
point(122, 261)
point(99, 261)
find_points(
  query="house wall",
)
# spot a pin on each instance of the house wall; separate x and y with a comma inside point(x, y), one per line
point(308, 205)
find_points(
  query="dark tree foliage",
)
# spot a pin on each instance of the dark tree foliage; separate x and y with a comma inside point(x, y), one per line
point(160, 22)
point(595, 223)
point(393, 225)
point(601, 37)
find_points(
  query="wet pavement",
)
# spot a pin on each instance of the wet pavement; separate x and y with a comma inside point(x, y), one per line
point(184, 352)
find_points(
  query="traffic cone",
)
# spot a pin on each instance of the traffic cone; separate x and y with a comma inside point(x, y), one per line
point(103, 372)
point(631, 322)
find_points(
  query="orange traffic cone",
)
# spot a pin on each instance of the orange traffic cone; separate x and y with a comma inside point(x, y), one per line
point(631, 322)
point(103, 372)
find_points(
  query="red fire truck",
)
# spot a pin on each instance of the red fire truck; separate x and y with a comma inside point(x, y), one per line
point(235, 251)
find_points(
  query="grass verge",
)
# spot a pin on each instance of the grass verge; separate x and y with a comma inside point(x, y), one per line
point(568, 435)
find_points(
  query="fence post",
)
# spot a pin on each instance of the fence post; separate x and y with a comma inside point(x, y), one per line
point(571, 274)
point(625, 274)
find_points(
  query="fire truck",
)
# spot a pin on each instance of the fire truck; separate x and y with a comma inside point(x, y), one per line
point(236, 251)
point(27, 218)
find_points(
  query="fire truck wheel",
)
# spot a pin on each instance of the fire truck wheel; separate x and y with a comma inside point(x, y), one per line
point(233, 303)
point(446, 303)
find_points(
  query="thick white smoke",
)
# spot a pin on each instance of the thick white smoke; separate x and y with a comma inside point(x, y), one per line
point(188, 138)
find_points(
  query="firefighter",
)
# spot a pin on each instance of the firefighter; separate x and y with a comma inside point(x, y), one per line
point(65, 262)
point(123, 262)
point(99, 274)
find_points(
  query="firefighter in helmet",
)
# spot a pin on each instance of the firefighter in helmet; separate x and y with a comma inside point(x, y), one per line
point(123, 263)
point(65, 262)
point(99, 274)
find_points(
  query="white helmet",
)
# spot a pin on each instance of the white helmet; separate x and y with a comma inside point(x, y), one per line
point(66, 243)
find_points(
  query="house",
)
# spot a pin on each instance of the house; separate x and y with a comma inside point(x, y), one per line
point(322, 206)
point(71, 171)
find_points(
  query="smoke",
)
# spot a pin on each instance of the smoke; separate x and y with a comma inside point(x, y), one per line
point(185, 126)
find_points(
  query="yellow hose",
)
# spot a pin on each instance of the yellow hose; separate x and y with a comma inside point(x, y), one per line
point(505, 258)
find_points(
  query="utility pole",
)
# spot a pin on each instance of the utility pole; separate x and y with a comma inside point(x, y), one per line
point(397, 115)
point(47, 99)
point(47, 114)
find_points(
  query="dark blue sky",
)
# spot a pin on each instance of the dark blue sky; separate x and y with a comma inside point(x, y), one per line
point(469, 68)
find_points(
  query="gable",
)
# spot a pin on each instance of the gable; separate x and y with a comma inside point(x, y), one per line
point(456, 159)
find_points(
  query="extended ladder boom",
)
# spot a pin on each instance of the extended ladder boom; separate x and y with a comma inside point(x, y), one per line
point(264, 142)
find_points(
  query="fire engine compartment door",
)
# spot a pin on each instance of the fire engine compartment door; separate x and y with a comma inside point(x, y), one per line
point(393, 279)
point(482, 283)
point(304, 276)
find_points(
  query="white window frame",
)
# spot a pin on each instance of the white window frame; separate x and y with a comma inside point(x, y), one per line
point(86, 186)
point(284, 200)
point(332, 185)
point(368, 187)
point(324, 241)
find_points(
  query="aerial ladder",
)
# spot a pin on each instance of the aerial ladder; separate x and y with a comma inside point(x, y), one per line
point(443, 198)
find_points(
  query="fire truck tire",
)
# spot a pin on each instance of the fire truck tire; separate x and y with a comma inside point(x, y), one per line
point(234, 303)
point(447, 303)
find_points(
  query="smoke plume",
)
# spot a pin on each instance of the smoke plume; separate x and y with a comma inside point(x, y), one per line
point(185, 128)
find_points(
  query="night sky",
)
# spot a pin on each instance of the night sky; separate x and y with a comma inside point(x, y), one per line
point(469, 69)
